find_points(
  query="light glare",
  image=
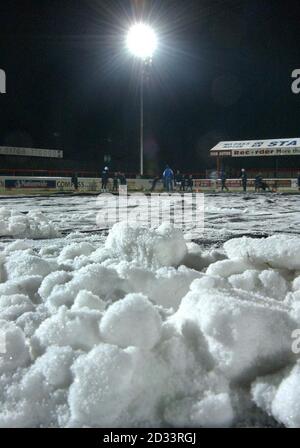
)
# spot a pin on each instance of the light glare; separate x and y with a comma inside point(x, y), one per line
point(141, 40)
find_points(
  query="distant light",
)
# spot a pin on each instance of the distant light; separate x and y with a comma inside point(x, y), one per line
point(141, 41)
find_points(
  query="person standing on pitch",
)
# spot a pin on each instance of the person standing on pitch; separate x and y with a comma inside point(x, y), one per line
point(223, 181)
point(168, 176)
point(122, 179)
point(178, 180)
point(190, 184)
point(154, 182)
point(104, 177)
point(244, 177)
point(116, 182)
point(182, 183)
point(74, 181)
point(258, 182)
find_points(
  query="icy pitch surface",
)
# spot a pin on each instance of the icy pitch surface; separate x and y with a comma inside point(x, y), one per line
point(143, 327)
point(226, 215)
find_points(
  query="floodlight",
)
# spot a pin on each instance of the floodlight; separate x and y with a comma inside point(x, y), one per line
point(141, 40)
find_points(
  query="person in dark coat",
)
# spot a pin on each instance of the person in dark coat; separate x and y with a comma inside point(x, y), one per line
point(122, 178)
point(265, 186)
point(298, 181)
point(257, 182)
point(115, 182)
point(104, 177)
point(182, 183)
point(223, 181)
point(74, 181)
point(178, 179)
point(244, 178)
point(154, 182)
point(186, 181)
point(260, 184)
point(190, 183)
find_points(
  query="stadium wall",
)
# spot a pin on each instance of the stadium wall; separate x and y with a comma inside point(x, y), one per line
point(26, 184)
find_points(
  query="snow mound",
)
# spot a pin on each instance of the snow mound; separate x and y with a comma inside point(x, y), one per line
point(53, 279)
point(32, 225)
point(74, 250)
point(13, 306)
point(166, 286)
point(37, 394)
point(247, 335)
point(102, 387)
point(268, 282)
point(21, 263)
point(95, 278)
point(213, 411)
point(85, 299)
point(78, 330)
point(132, 321)
point(164, 246)
point(279, 395)
point(144, 330)
point(278, 251)
point(27, 284)
point(13, 349)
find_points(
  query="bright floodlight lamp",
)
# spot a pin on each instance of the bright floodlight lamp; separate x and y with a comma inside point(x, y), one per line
point(141, 41)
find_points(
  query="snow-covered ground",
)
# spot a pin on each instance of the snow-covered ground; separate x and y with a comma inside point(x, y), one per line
point(149, 327)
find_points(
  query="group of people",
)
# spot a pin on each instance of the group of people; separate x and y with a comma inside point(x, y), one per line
point(259, 183)
point(171, 182)
point(118, 179)
point(243, 176)
point(179, 181)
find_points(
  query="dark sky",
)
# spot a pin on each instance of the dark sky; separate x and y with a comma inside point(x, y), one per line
point(222, 71)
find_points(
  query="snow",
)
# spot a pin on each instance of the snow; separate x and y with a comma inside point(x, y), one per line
point(103, 385)
point(277, 251)
point(22, 263)
point(66, 328)
point(279, 395)
point(13, 306)
point(164, 246)
point(85, 299)
point(95, 278)
point(32, 225)
point(144, 327)
point(213, 411)
point(16, 351)
point(246, 334)
point(134, 312)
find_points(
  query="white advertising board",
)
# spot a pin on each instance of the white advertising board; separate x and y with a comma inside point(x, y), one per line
point(257, 148)
point(31, 152)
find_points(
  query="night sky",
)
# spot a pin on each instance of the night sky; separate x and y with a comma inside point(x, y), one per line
point(222, 72)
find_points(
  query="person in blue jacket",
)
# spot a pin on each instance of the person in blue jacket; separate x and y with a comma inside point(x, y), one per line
point(168, 177)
